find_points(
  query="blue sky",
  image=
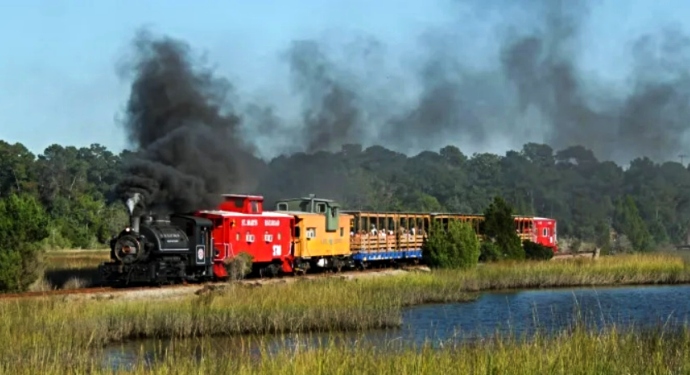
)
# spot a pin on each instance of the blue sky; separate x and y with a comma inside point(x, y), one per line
point(58, 79)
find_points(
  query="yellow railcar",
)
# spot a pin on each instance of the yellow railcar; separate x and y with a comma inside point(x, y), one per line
point(322, 233)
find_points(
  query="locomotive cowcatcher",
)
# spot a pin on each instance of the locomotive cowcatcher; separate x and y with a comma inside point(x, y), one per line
point(162, 250)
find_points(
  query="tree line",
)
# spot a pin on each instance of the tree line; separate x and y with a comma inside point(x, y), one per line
point(64, 197)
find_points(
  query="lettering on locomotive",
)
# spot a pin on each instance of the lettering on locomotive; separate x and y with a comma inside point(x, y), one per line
point(250, 222)
point(272, 223)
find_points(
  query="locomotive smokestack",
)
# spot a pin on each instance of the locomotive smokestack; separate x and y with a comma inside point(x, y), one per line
point(132, 202)
point(133, 219)
point(134, 223)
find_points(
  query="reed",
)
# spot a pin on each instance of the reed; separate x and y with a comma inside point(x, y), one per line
point(67, 269)
point(60, 335)
point(323, 305)
point(636, 269)
point(75, 259)
point(577, 351)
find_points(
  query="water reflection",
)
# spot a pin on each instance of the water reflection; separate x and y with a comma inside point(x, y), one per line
point(520, 313)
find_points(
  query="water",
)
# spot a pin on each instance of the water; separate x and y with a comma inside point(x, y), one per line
point(517, 312)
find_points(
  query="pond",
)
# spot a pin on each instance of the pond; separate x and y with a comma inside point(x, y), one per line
point(516, 312)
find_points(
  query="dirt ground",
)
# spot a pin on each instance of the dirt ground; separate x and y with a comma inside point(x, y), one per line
point(179, 291)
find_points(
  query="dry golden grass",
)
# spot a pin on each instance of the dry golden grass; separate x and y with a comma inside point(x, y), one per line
point(613, 351)
point(63, 267)
point(56, 335)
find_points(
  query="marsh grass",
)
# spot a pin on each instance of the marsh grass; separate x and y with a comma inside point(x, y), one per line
point(637, 269)
point(578, 351)
point(75, 259)
point(322, 305)
point(62, 267)
point(58, 335)
point(575, 351)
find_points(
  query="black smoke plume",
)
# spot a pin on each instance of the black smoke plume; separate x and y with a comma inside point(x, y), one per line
point(331, 113)
point(191, 145)
point(649, 121)
point(534, 91)
point(444, 108)
point(181, 121)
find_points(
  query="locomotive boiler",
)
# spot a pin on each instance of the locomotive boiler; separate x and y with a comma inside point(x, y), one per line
point(160, 250)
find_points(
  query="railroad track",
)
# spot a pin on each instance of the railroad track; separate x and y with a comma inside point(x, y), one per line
point(122, 290)
point(58, 292)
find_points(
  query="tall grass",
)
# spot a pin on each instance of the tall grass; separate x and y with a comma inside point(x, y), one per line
point(75, 259)
point(580, 352)
point(657, 268)
point(613, 351)
point(634, 269)
point(67, 269)
point(323, 305)
point(60, 335)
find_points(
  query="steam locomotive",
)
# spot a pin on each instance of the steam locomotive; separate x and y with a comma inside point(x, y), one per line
point(160, 250)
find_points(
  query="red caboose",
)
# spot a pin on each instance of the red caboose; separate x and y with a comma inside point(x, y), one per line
point(241, 225)
point(545, 232)
point(538, 229)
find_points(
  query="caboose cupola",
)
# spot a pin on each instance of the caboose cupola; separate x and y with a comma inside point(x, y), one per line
point(246, 204)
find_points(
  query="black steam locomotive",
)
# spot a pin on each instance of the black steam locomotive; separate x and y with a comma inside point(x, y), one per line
point(162, 250)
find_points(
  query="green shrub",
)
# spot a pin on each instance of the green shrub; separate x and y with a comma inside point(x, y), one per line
point(23, 225)
point(239, 266)
point(499, 227)
point(489, 252)
point(536, 251)
point(455, 247)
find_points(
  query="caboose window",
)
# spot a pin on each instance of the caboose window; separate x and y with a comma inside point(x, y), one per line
point(321, 208)
point(282, 207)
point(545, 231)
point(311, 232)
point(239, 202)
point(255, 207)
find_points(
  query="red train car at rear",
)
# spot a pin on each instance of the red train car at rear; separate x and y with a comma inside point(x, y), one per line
point(541, 230)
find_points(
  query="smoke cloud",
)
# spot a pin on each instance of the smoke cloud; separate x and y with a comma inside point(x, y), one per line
point(195, 137)
point(649, 121)
point(181, 121)
point(532, 91)
point(331, 114)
